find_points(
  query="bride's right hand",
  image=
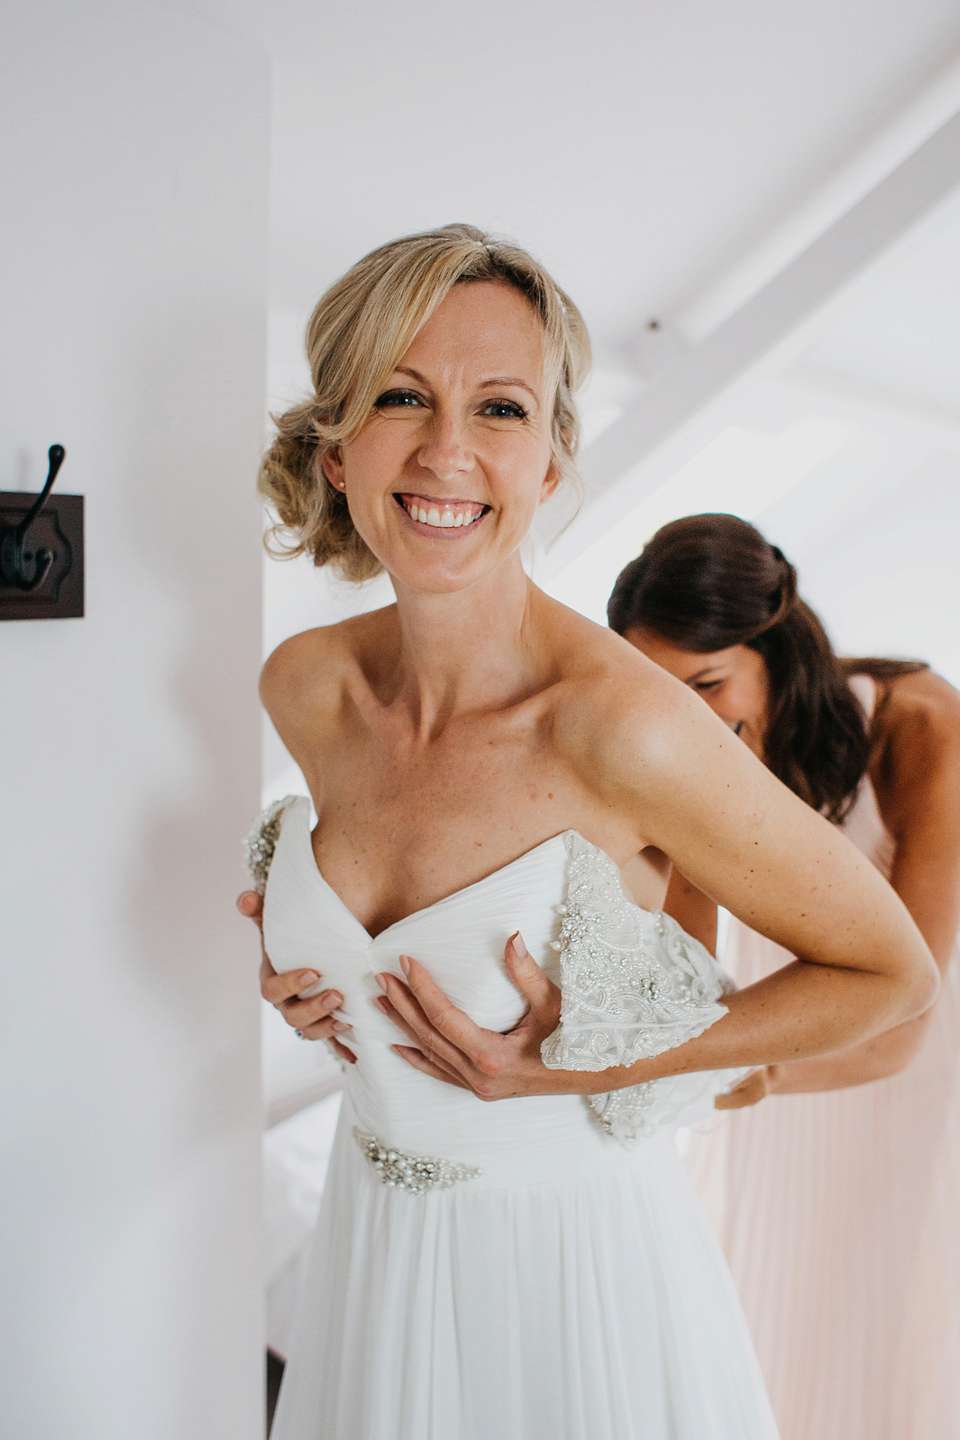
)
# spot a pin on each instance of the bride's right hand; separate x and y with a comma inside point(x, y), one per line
point(312, 1018)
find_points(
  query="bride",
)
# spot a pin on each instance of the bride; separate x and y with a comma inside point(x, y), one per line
point(489, 771)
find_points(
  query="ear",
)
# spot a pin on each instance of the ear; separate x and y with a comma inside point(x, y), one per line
point(332, 466)
point(550, 482)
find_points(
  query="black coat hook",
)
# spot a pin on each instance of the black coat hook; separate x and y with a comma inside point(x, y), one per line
point(21, 566)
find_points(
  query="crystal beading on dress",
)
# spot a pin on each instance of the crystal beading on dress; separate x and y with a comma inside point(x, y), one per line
point(633, 984)
point(459, 1241)
point(416, 1173)
point(262, 839)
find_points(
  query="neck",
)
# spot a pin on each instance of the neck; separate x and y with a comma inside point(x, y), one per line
point(466, 651)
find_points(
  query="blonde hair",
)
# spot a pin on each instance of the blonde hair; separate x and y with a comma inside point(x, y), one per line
point(355, 338)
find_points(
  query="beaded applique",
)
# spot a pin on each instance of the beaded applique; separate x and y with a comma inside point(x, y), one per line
point(416, 1173)
point(633, 985)
point(262, 840)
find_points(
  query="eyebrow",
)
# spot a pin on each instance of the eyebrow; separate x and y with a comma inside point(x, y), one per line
point(484, 384)
point(700, 674)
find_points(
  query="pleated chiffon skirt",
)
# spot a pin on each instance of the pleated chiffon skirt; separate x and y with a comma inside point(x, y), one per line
point(589, 1309)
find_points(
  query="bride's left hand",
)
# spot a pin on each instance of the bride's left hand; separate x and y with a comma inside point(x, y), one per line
point(449, 1046)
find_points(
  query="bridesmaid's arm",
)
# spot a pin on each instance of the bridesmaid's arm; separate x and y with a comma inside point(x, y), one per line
point(917, 779)
point(693, 911)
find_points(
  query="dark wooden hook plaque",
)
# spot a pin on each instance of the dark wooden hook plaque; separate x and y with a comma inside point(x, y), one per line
point(41, 551)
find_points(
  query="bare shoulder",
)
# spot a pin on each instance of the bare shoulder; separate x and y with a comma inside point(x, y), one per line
point(919, 710)
point(309, 673)
point(623, 721)
point(917, 745)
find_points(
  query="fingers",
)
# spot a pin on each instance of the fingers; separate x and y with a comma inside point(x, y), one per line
point(250, 904)
point(325, 1029)
point(419, 1061)
point(444, 1017)
point(402, 1007)
point(304, 1015)
point(750, 1091)
point(278, 988)
point(535, 987)
point(341, 1050)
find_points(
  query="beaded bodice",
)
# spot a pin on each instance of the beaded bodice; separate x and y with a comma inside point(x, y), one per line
point(633, 985)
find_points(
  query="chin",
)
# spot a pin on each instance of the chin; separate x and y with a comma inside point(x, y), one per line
point(437, 579)
point(443, 568)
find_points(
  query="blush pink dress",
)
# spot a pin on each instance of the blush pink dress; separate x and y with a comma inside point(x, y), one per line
point(839, 1213)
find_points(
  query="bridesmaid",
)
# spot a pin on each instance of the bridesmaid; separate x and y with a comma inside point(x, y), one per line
point(838, 1211)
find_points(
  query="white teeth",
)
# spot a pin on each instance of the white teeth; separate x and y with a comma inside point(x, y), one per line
point(446, 520)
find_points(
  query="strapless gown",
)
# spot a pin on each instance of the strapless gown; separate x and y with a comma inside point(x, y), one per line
point(507, 1271)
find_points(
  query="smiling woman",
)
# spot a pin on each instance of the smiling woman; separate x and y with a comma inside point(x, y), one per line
point(355, 341)
point(483, 762)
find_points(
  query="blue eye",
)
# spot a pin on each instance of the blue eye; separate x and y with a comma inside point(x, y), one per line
point(505, 410)
point(402, 399)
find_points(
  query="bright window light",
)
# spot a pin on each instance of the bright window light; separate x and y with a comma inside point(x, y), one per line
point(742, 472)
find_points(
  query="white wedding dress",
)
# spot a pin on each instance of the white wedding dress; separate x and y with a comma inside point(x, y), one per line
point(531, 1269)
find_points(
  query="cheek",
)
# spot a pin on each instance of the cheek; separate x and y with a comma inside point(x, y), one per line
point(749, 703)
point(379, 452)
point(517, 468)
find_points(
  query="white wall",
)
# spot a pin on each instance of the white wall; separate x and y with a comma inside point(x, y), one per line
point(132, 280)
point(886, 579)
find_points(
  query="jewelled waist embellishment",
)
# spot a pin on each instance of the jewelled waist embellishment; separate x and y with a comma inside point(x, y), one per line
point(416, 1173)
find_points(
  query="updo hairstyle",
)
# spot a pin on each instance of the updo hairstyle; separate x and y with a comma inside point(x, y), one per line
point(707, 582)
point(355, 338)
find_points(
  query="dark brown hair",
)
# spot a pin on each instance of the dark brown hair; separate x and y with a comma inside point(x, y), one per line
point(707, 582)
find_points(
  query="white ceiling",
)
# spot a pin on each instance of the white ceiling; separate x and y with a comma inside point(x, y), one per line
point(640, 148)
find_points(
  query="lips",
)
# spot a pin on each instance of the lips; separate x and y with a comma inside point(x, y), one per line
point(439, 514)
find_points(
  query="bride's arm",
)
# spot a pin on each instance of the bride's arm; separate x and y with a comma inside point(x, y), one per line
point(918, 784)
point(747, 842)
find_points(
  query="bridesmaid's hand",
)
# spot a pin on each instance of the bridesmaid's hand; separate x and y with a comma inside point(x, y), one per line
point(311, 1018)
point(751, 1090)
point(450, 1047)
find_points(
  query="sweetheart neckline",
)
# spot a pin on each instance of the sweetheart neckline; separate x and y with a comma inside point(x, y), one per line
point(444, 899)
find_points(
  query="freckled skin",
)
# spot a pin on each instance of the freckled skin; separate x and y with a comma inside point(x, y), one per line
point(915, 772)
point(446, 735)
point(734, 682)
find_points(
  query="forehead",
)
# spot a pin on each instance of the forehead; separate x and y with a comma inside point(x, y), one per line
point(680, 662)
point(481, 328)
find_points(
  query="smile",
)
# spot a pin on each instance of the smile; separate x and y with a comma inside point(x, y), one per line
point(441, 514)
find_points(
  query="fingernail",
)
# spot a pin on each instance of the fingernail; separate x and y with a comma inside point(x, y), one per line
point(519, 946)
point(309, 977)
point(333, 1000)
point(381, 982)
point(340, 1027)
point(405, 964)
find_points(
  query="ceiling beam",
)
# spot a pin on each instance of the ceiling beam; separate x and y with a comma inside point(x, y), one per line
point(683, 406)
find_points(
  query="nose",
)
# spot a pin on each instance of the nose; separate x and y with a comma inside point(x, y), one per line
point(444, 451)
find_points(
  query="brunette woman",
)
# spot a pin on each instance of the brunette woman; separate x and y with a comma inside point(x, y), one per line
point(838, 1211)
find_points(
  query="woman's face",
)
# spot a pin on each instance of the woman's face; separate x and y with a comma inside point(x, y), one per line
point(444, 479)
point(734, 682)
